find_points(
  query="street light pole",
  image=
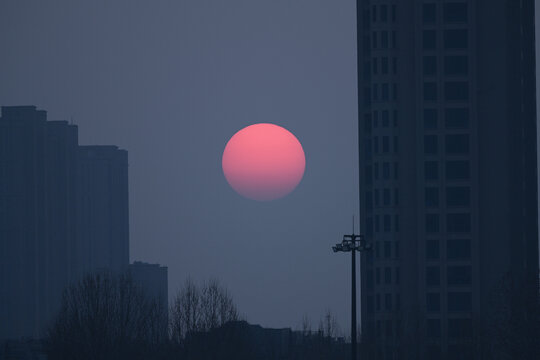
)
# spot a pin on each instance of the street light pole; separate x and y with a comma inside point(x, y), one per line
point(352, 243)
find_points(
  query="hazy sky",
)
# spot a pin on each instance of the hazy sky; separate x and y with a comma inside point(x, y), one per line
point(171, 82)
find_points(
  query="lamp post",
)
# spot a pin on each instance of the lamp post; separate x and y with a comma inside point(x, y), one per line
point(352, 243)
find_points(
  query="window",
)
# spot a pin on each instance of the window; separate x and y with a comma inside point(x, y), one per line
point(432, 249)
point(456, 118)
point(393, 13)
point(387, 249)
point(376, 223)
point(396, 229)
point(367, 96)
point(369, 201)
point(375, 145)
point(386, 197)
point(396, 197)
point(432, 223)
point(457, 144)
point(374, 40)
point(433, 276)
point(384, 13)
point(456, 91)
point(386, 170)
point(374, 13)
point(384, 65)
point(458, 196)
point(377, 276)
point(459, 275)
point(375, 118)
point(460, 328)
point(430, 119)
point(430, 144)
point(430, 91)
point(455, 12)
point(369, 175)
point(367, 43)
point(456, 65)
point(433, 302)
point(369, 226)
point(375, 92)
point(433, 328)
point(431, 170)
point(430, 65)
point(388, 302)
point(458, 249)
point(458, 223)
point(384, 39)
point(429, 14)
point(455, 39)
point(397, 273)
point(432, 197)
point(375, 63)
point(394, 66)
point(376, 197)
point(367, 123)
point(388, 328)
point(429, 39)
point(457, 170)
point(396, 171)
point(459, 301)
point(387, 223)
point(376, 171)
point(367, 70)
point(378, 302)
point(370, 304)
point(396, 147)
point(387, 275)
point(385, 94)
point(385, 144)
point(385, 118)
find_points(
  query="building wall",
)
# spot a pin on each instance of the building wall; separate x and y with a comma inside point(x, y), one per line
point(448, 186)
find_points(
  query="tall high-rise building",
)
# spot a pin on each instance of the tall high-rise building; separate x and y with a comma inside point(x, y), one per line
point(103, 209)
point(63, 213)
point(37, 218)
point(448, 175)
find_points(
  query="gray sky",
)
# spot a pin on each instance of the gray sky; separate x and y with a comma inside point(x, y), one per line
point(171, 82)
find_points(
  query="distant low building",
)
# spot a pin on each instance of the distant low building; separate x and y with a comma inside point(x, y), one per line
point(240, 340)
point(153, 279)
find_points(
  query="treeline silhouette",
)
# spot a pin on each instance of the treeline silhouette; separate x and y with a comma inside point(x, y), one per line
point(106, 316)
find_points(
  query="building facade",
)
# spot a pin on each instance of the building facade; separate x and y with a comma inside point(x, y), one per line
point(448, 175)
point(51, 230)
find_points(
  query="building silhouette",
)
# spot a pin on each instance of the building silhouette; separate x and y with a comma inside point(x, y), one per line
point(103, 209)
point(448, 186)
point(63, 213)
point(153, 279)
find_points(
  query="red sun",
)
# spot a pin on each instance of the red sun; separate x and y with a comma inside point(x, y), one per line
point(263, 162)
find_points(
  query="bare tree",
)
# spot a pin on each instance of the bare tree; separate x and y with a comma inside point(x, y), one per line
point(106, 317)
point(330, 326)
point(201, 309)
point(305, 325)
